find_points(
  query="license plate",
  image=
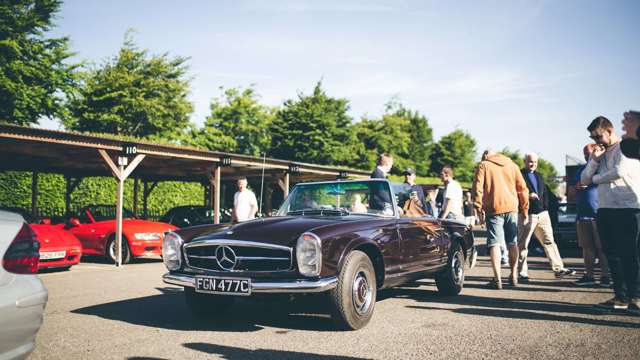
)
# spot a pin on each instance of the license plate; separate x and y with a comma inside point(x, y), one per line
point(51, 255)
point(224, 286)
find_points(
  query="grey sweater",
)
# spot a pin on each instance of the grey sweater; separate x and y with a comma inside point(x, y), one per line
point(617, 177)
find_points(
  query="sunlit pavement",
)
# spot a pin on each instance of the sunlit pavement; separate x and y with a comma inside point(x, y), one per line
point(97, 311)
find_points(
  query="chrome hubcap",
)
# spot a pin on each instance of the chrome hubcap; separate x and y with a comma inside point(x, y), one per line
point(112, 250)
point(362, 293)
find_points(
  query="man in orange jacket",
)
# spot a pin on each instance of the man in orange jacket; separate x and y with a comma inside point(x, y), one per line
point(500, 190)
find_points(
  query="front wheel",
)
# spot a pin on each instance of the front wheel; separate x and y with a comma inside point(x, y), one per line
point(206, 305)
point(354, 297)
point(111, 250)
point(451, 280)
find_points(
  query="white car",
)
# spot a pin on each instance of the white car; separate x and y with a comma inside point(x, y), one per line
point(22, 294)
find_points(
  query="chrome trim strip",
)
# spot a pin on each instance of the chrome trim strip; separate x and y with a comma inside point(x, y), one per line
point(289, 286)
point(243, 243)
point(252, 258)
point(242, 257)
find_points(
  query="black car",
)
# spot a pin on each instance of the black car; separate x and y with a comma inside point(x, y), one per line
point(191, 215)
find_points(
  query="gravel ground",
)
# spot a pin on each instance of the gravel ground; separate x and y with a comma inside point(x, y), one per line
point(96, 311)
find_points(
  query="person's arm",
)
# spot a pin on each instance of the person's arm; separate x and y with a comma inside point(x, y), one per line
point(234, 216)
point(445, 208)
point(614, 173)
point(523, 194)
point(586, 178)
point(478, 187)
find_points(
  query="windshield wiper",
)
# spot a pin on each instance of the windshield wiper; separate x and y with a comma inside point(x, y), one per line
point(320, 212)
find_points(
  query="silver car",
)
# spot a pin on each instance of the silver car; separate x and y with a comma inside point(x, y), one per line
point(22, 294)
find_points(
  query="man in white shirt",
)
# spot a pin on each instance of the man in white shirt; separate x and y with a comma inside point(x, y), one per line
point(245, 205)
point(618, 216)
point(452, 197)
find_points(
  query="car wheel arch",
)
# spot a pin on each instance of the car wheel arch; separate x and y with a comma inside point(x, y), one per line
point(374, 254)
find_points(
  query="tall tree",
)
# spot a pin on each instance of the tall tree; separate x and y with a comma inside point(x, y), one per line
point(458, 150)
point(133, 94)
point(314, 128)
point(385, 135)
point(238, 123)
point(420, 144)
point(33, 73)
point(545, 167)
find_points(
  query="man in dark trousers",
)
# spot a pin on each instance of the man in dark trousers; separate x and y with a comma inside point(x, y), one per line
point(618, 216)
point(539, 222)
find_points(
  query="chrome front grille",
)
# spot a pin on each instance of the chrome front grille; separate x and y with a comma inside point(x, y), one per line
point(237, 256)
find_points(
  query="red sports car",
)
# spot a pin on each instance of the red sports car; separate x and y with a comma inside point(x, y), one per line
point(58, 248)
point(95, 227)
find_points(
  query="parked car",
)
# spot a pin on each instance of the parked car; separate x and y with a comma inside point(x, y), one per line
point(95, 227)
point(191, 215)
point(565, 230)
point(341, 237)
point(58, 248)
point(23, 297)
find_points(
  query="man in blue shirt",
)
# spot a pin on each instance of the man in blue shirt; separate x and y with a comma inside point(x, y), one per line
point(587, 230)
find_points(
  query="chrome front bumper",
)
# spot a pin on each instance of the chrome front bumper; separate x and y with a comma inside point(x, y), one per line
point(292, 286)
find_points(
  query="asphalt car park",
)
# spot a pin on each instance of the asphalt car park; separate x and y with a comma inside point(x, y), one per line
point(98, 311)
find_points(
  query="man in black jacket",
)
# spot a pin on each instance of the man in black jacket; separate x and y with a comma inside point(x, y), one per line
point(379, 199)
point(539, 223)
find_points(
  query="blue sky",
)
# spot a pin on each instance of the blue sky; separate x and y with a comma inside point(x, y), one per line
point(528, 75)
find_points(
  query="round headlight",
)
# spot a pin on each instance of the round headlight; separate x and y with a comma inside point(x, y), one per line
point(309, 254)
point(171, 247)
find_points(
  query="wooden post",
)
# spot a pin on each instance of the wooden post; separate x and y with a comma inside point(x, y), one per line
point(34, 194)
point(121, 172)
point(286, 185)
point(122, 162)
point(215, 189)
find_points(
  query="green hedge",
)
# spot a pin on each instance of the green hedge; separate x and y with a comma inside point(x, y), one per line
point(15, 191)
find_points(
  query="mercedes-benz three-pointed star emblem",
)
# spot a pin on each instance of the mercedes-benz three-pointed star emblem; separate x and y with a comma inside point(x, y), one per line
point(226, 258)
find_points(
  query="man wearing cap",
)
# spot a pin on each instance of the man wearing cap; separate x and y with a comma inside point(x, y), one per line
point(416, 190)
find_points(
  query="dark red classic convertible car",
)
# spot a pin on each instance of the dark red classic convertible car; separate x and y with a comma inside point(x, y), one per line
point(342, 237)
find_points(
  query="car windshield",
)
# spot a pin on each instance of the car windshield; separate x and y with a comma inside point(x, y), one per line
point(367, 197)
point(105, 212)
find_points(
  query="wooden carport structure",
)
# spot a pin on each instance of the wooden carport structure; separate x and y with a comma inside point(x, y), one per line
point(79, 155)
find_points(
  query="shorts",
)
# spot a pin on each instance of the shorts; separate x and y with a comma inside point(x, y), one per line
point(502, 229)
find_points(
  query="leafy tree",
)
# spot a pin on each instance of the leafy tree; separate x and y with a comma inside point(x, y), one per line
point(385, 135)
point(133, 94)
point(545, 167)
point(33, 73)
point(420, 144)
point(238, 123)
point(314, 128)
point(458, 150)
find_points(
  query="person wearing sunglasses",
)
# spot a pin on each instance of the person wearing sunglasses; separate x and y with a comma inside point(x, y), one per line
point(618, 215)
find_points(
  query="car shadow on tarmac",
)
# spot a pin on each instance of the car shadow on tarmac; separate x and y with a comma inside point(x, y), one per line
point(168, 311)
point(235, 353)
point(511, 308)
point(229, 352)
